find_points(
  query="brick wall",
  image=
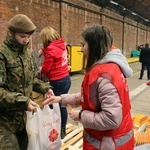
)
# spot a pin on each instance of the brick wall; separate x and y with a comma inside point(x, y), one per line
point(70, 17)
point(41, 12)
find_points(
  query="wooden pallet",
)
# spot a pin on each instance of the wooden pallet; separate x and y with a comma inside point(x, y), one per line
point(73, 139)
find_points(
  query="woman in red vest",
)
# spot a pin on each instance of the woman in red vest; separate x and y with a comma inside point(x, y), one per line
point(104, 95)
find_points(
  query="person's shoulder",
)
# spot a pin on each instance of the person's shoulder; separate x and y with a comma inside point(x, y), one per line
point(4, 49)
point(147, 49)
point(50, 49)
point(28, 53)
point(143, 49)
point(5, 52)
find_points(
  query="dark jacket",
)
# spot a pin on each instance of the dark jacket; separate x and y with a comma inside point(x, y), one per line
point(145, 55)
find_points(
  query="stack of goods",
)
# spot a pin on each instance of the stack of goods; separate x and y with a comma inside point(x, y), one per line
point(142, 138)
point(141, 129)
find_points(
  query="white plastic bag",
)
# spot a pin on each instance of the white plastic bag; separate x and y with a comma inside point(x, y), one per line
point(32, 130)
point(43, 128)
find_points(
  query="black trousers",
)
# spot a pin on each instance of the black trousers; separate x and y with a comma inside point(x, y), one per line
point(147, 66)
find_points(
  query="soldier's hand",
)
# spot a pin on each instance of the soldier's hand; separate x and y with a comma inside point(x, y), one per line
point(32, 106)
point(49, 94)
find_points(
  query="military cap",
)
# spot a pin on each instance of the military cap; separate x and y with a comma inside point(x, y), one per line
point(20, 23)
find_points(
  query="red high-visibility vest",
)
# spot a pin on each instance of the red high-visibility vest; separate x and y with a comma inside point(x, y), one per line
point(92, 138)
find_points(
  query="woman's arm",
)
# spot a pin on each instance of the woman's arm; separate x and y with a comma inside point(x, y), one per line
point(64, 99)
point(71, 99)
point(110, 115)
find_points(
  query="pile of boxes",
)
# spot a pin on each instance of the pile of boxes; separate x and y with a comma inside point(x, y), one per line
point(141, 129)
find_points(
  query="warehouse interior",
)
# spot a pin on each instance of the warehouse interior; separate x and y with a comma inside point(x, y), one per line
point(138, 10)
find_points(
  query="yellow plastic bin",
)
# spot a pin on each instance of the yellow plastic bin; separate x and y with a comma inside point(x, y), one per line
point(76, 58)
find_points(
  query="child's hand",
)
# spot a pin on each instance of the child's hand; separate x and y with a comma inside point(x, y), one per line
point(40, 52)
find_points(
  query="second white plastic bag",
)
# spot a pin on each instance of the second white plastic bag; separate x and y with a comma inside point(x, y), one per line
point(43, 128)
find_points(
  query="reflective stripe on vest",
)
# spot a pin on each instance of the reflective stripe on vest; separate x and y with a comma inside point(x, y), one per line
point(124, 139)
point(120, 141)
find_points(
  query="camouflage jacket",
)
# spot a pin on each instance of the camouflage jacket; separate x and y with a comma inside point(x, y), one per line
point(18, 78)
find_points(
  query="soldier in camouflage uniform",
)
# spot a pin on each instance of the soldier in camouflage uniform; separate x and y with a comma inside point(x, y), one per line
point(18, 78)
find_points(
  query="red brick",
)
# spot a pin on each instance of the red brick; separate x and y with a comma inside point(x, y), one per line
point(74, 17)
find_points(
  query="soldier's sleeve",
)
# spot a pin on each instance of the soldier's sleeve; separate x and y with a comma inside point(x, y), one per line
point(2, 71)
point(9, 100)
point(38, 85)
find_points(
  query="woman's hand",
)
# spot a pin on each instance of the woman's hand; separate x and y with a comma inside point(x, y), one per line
point(74, 114)
point(32, 106)
point(52, 99)
point(48, 94)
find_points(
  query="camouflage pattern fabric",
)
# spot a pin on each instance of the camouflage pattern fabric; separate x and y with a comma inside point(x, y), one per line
point(18, 77)
point(18, 141)
point(9, 142)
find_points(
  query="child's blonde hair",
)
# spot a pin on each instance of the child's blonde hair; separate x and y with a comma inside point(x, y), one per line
point(48, 35)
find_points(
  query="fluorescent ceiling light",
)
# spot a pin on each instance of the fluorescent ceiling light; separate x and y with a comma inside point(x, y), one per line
point(134, 13)
point(112, 2)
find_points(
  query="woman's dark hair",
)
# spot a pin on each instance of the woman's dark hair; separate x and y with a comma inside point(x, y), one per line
point(99, 42)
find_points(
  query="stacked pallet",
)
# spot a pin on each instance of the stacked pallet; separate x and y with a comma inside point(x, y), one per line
point(142, 138)
point(73, 139)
